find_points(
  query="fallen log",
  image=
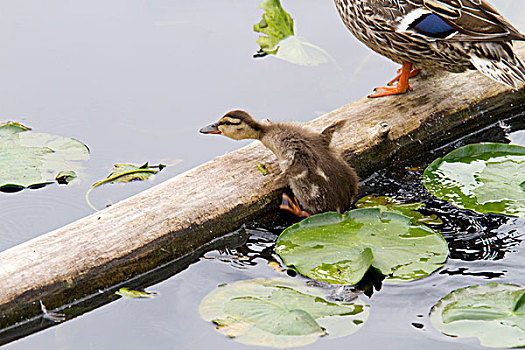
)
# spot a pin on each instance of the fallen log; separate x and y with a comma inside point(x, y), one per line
point(176, 217)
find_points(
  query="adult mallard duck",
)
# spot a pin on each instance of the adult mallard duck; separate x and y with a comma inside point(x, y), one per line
point(318, 176)
point(454, 35)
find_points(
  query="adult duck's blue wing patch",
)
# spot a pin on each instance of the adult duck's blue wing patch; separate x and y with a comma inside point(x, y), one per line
point(432, 25)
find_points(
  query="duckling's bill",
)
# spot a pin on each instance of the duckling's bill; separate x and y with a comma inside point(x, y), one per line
point(211, 129)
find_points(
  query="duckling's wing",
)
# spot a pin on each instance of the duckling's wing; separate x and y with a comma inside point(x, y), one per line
point(327, 133)
point(459, 20)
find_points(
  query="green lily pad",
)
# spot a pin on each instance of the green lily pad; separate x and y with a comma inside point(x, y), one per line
point(394, 205)
point(494, 313)
point(279, 312)
point(278, 38)
point(126, 173)
point(340, 248)
point(485, 178)
point(32, 160)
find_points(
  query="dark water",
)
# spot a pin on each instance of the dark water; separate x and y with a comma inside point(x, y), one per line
point(135, 80)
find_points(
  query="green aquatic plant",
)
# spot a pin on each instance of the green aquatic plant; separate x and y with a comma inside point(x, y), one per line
point(134, 294)
point(123, 173)
point(276, 24)
point(340, 248)
point(485, 178)
point(262, 168)
point(32, 160)
point(65, 177)
point(278, 38)
point(396, 206)
point(280, 312)
point(494, 313)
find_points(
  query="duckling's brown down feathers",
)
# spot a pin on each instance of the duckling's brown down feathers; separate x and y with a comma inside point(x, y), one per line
point(318, 176)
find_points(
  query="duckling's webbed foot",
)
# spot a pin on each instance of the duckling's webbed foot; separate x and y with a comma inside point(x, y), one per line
point(293, 207)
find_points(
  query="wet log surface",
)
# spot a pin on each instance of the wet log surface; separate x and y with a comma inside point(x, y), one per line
point(175, 218)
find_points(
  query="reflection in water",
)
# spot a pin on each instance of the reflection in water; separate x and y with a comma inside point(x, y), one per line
point(470, 236)
point(259, 245)
point(487, 237)
point(463, 271)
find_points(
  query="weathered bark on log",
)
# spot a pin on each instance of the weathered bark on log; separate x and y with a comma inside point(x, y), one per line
point(176, 217)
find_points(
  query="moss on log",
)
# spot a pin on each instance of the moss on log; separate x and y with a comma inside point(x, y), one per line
point(176, 217)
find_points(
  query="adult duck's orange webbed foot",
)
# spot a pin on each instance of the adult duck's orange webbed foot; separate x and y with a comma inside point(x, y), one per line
point(389, 90)
point(293, 207)
point(413, 73)
point(401, 87)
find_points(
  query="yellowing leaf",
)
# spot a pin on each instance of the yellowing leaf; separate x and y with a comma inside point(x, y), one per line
point(126, 173)
point(275, 266)
point(130, 293)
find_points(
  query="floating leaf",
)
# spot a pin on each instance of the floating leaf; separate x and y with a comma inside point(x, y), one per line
point(32, 160)
point(494, 313)
point(126, 173)
point(486, 178)
point(300, 52)
point(130, 293)
point(65, 177)
point(280, 313)
point(279, 39)
point(129, 172)
point(275, 25)
point(275, 266)
point(396, 206)
point(339, 249)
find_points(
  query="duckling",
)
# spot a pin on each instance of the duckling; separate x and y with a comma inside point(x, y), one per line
point(318, 176)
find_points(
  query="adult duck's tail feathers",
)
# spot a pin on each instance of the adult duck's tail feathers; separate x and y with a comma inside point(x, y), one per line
point(329, 131)
point(499, 62)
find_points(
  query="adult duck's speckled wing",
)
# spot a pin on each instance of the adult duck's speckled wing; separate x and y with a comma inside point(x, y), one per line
point(468, 20)
point(454, 35)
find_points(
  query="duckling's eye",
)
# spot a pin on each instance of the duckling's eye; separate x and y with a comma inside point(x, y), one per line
point(227, 122)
